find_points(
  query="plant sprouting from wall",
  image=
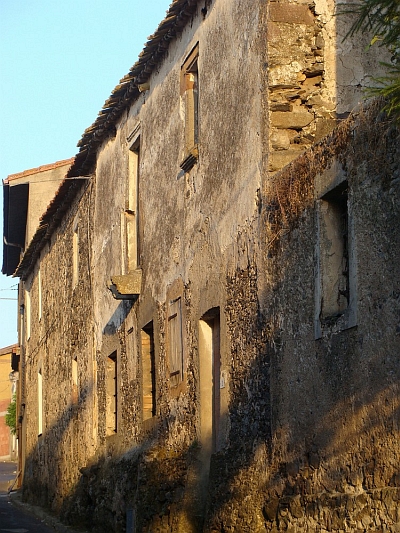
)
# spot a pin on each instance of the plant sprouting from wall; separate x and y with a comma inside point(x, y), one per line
point(11, 415)
point(382, 18)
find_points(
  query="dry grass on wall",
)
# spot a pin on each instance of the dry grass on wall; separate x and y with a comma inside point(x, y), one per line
point(289, 192)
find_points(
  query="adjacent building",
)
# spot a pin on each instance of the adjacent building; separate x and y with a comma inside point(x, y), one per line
point(8, 387)
point(211, 301)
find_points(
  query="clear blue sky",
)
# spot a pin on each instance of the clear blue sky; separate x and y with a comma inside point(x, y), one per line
point(59, 62)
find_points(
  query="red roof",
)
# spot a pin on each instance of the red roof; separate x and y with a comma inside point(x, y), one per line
point(37, 170)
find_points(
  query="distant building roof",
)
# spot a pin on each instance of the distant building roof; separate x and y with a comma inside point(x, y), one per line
point(15, 211)
point(13, 348)
point(42, 168)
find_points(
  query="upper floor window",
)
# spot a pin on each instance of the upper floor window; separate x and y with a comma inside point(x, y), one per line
point(131, 212)
point(190, 94)
point(39, 295)
point(28, 311)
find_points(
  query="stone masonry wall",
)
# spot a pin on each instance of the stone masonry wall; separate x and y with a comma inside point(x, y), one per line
point(62, 333)
point(335, 400)
point(315, 75)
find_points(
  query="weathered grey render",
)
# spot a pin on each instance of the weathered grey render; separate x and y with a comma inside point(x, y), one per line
point(213, 335)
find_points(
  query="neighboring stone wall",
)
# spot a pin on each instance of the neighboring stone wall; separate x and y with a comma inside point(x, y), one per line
point(335, 400)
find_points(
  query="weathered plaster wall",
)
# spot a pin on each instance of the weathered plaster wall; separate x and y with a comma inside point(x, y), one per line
point(308, 427)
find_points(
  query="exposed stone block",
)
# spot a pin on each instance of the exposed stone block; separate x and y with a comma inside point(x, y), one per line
point(324, 126)
point(280, 159)
point(270, 509)
point(281, 106)
point(280, 140)
point(273, 32)
point(290, 13)
point(293, 120)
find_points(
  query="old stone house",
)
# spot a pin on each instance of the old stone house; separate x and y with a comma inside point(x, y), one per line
point(212, 336)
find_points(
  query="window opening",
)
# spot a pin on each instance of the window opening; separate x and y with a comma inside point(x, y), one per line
point(148, 372)
point(28, 313)
point(210, 379)
point(190, 93)
point(40, 295)
point(175, 342)
point(40, 402)
point(75, 254)
point(75, 380)
point(111, 384)
point(132, 208)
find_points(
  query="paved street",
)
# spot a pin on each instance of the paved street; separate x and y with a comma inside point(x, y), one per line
point(8, 472)
point(14, 519)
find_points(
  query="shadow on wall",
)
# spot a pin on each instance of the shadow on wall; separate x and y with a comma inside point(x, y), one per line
point(314, 424)
point(47, 476)
point(314, 436)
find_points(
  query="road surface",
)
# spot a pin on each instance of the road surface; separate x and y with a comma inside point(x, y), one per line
point(15, 519)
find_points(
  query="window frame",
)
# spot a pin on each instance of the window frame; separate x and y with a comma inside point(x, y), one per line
point(149, 382)
point(175, 311)
point(189, 88)
point(334, 238)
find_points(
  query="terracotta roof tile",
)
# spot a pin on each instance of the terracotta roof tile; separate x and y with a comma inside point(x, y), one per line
point(37, 170)
point(124, 94)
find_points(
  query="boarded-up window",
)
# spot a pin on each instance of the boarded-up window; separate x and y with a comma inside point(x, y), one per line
point(148, 372)
point(336, 279)
point(175, 342)
point(111, 384)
